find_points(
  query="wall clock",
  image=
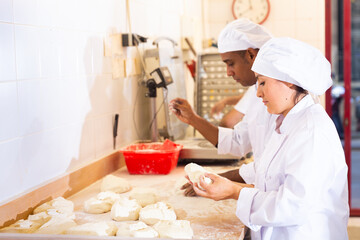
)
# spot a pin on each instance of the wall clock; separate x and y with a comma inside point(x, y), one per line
point(255, 10)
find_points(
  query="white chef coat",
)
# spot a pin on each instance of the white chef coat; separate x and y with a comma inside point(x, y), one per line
point(301, 189)
point(250, 134)
point(245, 102)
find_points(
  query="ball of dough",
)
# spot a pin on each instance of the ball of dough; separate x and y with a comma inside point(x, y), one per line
point(115, 184)
point(102, 203)
point(60, 204)
point(21, 226)
point(144, 196)
point(40, 218)
point(153, 213)
point(94, 229)
point(195, 172)
point(108, 196)
point(125, 209)
point(174, 229)
point(94, 205)
point(56, 225)
point(136, 229)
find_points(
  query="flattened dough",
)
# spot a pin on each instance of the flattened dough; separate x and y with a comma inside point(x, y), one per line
point(57, 225)
point(102, 203)
point(125, 209)
point(174, 229)
point(136, 229)
point(115, 184)
point(21, 226)
point(144, 196)
point(93, 229)
point(60, 204)
point(153, 213)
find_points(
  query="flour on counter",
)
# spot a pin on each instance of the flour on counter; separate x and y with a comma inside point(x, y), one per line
point(94, 229)
point(136, 229)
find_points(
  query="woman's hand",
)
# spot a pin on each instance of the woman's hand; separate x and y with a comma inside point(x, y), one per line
point(220, 188)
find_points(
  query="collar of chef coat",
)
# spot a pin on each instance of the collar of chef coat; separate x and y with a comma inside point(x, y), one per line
point(305, 102)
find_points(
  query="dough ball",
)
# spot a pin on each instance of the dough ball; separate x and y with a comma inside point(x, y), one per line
point(115, 184)
point(136, 229)
point(60, 204)
point(108, 196)
point(94, 229)
point(21, 226)
point(144, 196)
point(174, 229)
point(40, 218)
point(94, 205)
point(153, 213)
point(195, 172)
point(56, 225)
point(102, 203)
point(57, 213)
point(125, 209)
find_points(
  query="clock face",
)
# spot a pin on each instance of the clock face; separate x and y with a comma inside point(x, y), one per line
point(255, 10)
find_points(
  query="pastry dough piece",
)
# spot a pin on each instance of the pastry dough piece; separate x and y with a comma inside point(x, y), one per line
point(40, 218)
point(108, 196)
point(94, 205)
point(102, 203)
point(174, 229)
point(153, 213)
point(94, 229)
point(60, 204)
point(195, 172)
point(144, 196)
point(21, 226)
point(125, 209)
point(115, 184)
point(136, 229)
point(57, 225)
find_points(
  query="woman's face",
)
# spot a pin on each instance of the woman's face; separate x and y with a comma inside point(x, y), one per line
point(277, 96)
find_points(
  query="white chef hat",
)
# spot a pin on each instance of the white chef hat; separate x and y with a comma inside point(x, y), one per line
point(242, 34)
point(296, 62)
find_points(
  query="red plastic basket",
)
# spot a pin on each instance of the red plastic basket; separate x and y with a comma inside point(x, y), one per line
point(151, 158)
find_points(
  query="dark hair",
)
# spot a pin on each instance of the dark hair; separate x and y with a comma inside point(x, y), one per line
point(299, 91)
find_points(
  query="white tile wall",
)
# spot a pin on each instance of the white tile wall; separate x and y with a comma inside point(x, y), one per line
point(6, 11)
point(9, 120)
point(27, 52)
point(303, 20)
point(12, 172)
point(7, 50)
point(57, 97)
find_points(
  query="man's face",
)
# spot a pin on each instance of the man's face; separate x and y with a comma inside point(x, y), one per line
point(238, 65)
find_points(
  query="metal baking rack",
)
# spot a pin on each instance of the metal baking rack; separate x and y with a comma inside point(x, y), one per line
point(212, 85)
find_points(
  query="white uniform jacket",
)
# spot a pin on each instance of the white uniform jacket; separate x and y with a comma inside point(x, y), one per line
point(301, 189)
point(250, 134)
point(246, 101)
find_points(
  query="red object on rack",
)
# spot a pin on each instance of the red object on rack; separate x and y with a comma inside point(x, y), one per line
point(151, 158)
point(191, 65)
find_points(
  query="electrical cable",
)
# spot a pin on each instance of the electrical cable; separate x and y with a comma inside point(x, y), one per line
point(157, 111)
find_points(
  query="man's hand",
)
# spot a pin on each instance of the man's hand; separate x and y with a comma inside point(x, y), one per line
point(182, 110)
point(189, 190)
point(218, 107)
